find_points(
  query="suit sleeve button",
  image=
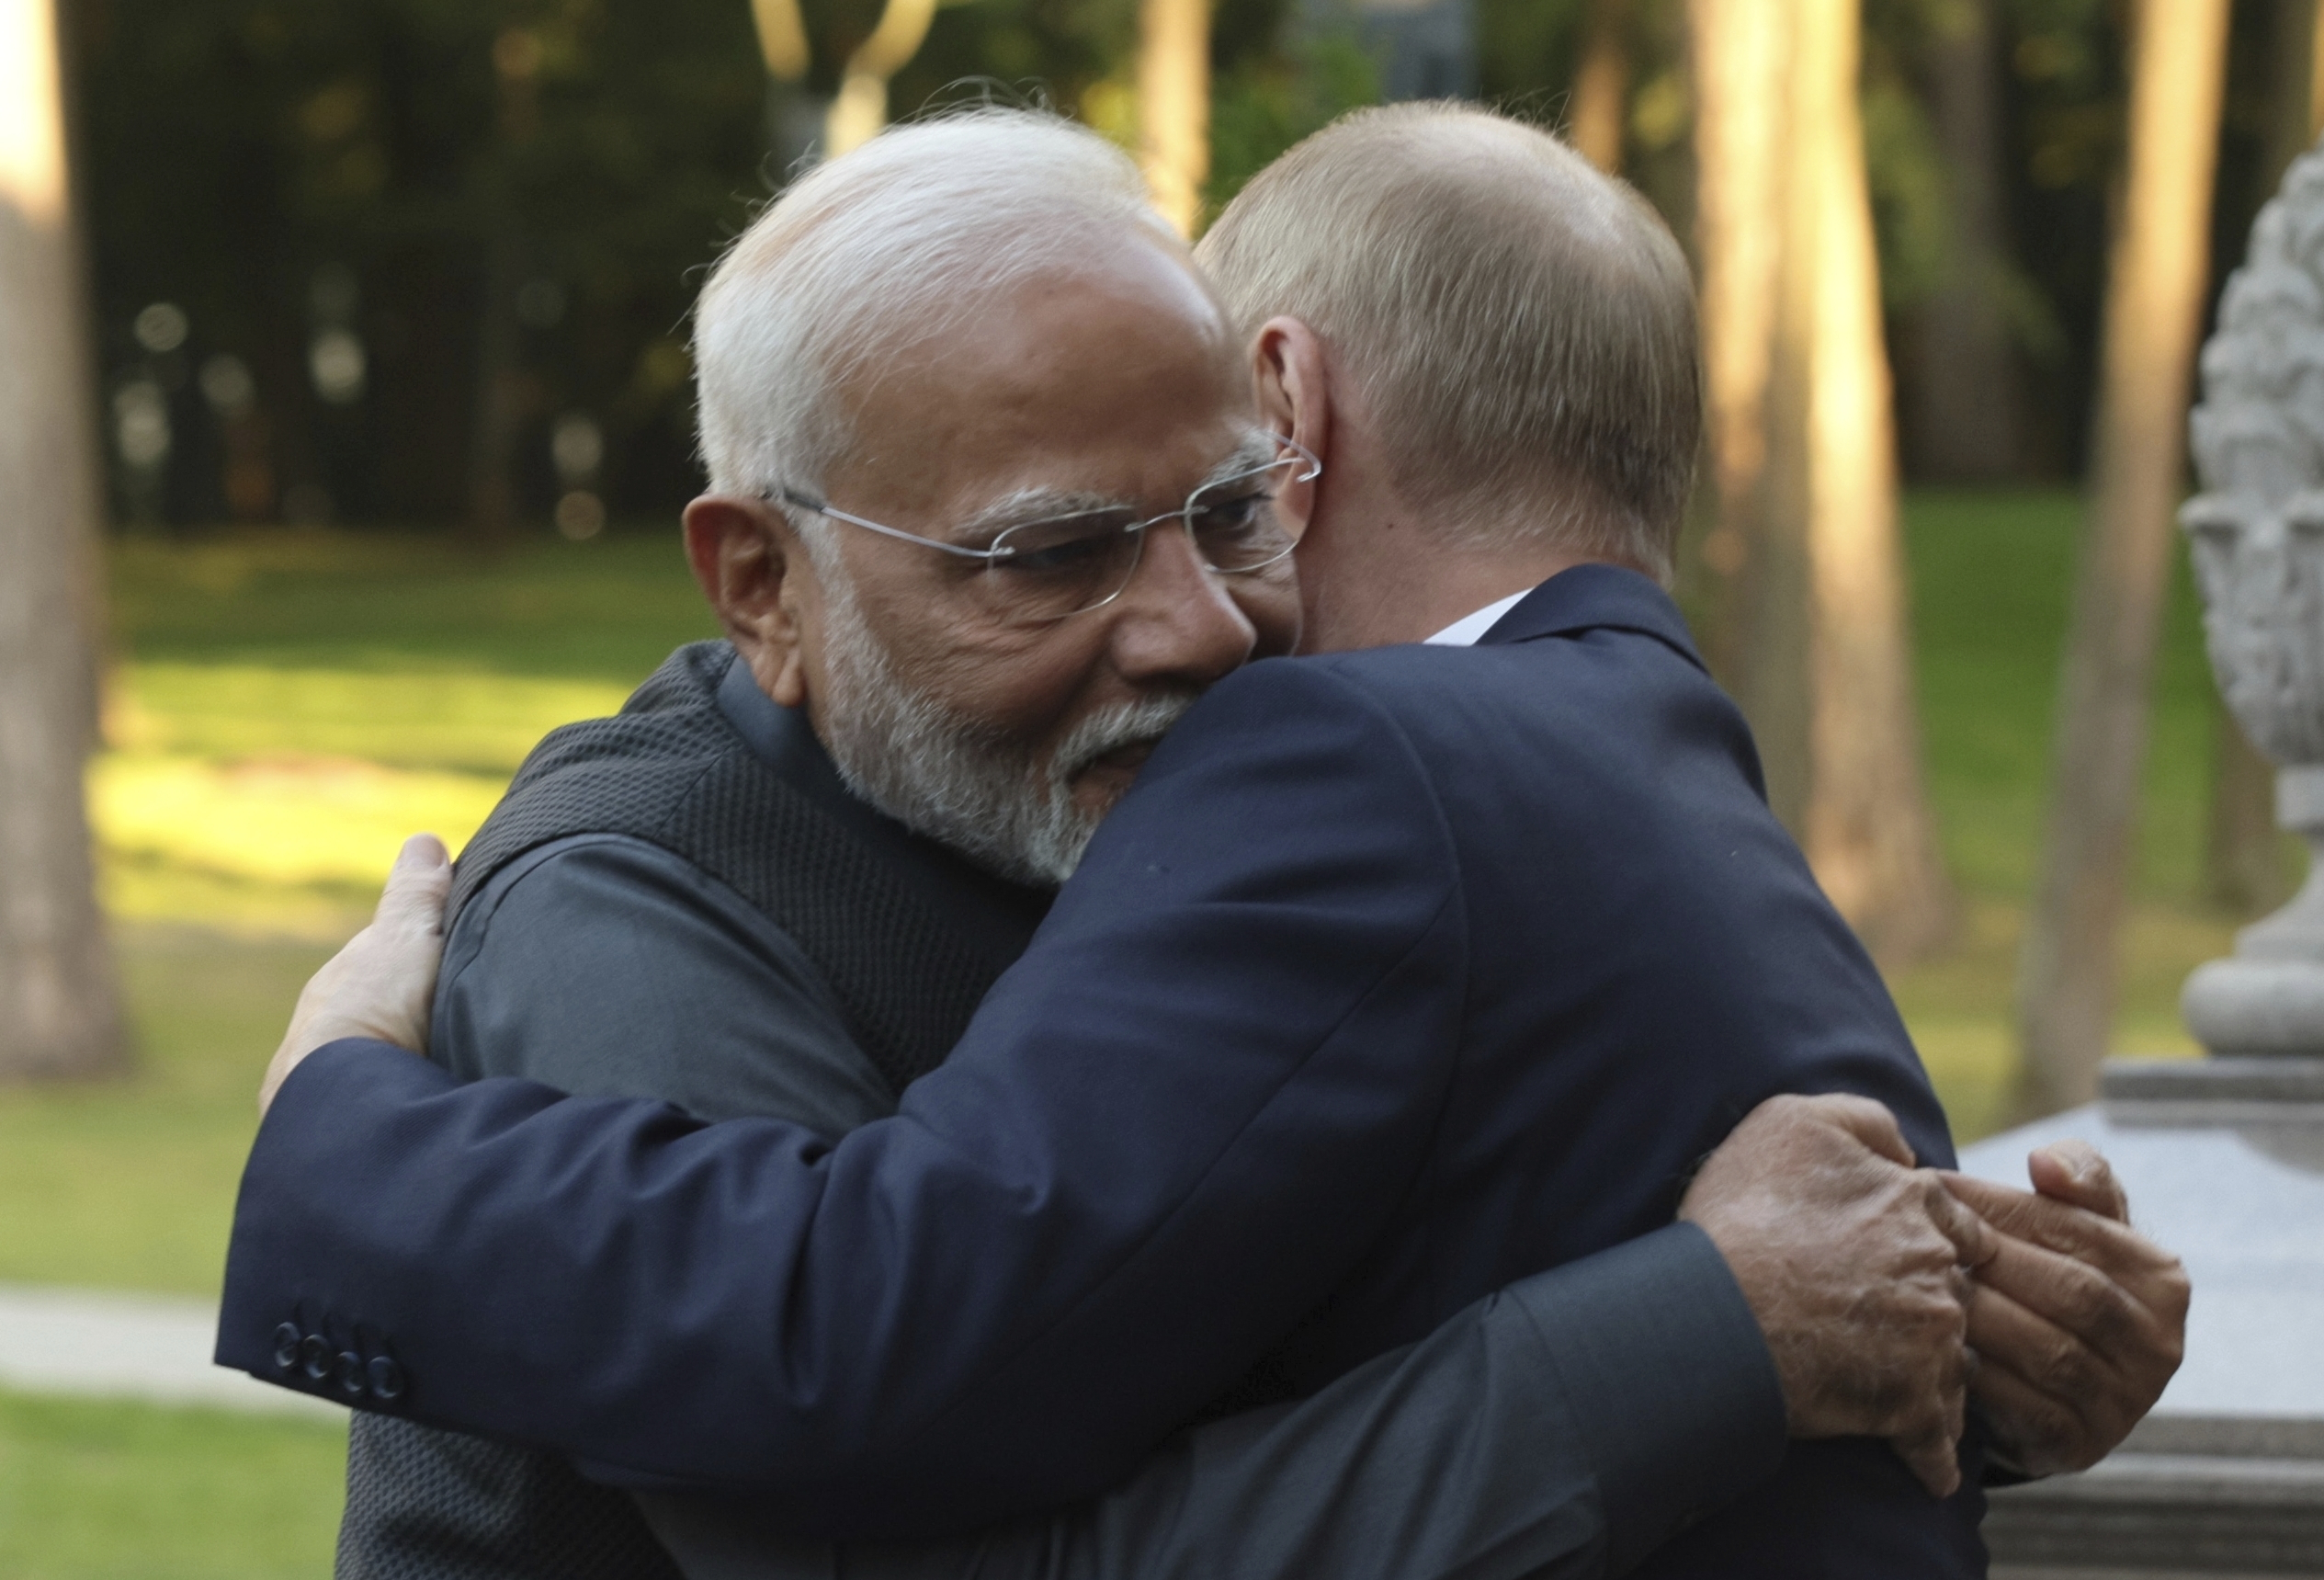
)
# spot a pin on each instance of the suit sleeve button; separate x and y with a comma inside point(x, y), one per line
point(315, 1356)
point(387, 1380)
point(351, 1374)
point(286, 1339)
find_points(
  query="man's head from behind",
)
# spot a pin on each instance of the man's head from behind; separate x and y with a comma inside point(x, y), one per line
point(1509, 333)
point(943, 380)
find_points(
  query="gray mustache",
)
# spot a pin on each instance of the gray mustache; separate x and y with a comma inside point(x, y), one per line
point(1110, 729)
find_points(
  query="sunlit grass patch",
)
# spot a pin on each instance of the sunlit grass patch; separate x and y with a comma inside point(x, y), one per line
point(1989, 578)
point(465, 720)
point(145, 889)
point(280, 819)
point(294, 704)
point(271, 800)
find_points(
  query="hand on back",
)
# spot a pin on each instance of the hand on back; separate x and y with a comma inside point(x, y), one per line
point(2078, 1321)
point(382, 984)
point(1854, 1261)
point(1888, 1293)
point(1856, 1264)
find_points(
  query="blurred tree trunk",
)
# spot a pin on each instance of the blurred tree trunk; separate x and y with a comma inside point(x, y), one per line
point(2154, 306)
point(1737, 50)
point(500, 393)
point(795, 118)
point(492, 480)
point(1866, 825)
point(59, 1012)
point(1965, 410)
point(1174, 106)
point(782, 38)
point(2245, 865)
point(861, 109)
point(1813, 627)
point(1602, 87)
point(2295, 111)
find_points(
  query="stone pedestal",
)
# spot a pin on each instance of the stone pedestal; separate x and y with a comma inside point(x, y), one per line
point(2224, 1160)
point(2268, 998)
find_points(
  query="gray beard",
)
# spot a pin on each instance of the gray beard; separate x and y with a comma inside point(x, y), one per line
point(958, 781)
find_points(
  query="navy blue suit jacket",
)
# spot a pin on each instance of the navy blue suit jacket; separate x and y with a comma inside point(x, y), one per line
point(1401, 975)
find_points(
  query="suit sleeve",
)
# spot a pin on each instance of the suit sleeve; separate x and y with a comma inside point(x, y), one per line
point(1170, 1131)
point(1563, 1428)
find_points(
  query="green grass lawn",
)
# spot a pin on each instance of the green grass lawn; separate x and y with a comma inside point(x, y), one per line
point(288, 705)
point(1990, 584)
point(380, 604)
point(105, 1491)
point(129, 1184)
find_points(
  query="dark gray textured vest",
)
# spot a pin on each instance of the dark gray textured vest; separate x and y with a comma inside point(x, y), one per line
point(671, 770)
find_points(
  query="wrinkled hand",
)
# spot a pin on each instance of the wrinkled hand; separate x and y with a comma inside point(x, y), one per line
point(382, 983)
point(2078, 1321)
point(1852, 1261)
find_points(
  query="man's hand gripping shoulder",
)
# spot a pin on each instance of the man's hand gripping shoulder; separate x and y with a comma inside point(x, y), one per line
point(382, 985)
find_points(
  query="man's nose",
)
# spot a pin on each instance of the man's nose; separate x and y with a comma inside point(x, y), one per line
point(1174, 621)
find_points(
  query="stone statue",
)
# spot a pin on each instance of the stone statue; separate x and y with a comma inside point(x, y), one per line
point(2224, 1157)
point(2257, 532)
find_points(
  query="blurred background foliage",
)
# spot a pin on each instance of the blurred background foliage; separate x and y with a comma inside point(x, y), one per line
point(421, 271)
point(391, 297)
point(431, 263)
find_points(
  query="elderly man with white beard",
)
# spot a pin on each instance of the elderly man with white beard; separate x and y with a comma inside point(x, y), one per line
point(747, 896)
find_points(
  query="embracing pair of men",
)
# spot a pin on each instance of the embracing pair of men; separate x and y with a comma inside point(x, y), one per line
point(1440, 1129)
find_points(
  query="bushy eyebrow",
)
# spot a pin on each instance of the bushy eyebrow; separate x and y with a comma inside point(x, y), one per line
point(1256, 451)
point(1026, 504)
point(1030, 505)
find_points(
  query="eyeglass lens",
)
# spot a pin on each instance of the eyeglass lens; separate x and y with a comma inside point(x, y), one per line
point(1045, 570)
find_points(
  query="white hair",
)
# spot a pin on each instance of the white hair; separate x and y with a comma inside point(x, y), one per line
point(876, 249)
point(888, 246)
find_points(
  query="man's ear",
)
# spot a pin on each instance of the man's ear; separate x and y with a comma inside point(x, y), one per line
point(751, 565)
point(1291, 378)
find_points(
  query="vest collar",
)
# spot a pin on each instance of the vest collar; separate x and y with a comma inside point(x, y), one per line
point(782, 739)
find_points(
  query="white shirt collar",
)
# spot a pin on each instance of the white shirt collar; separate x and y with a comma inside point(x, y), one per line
point(1464, 632)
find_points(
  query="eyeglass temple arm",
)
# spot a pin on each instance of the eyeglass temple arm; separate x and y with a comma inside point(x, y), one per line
point(793, 497)
point(803, 503)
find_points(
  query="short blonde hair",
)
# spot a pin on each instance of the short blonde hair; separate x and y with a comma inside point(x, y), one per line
point(1520, 327)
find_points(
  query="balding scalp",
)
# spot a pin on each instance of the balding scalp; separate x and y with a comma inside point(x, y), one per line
point(1521, 327)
